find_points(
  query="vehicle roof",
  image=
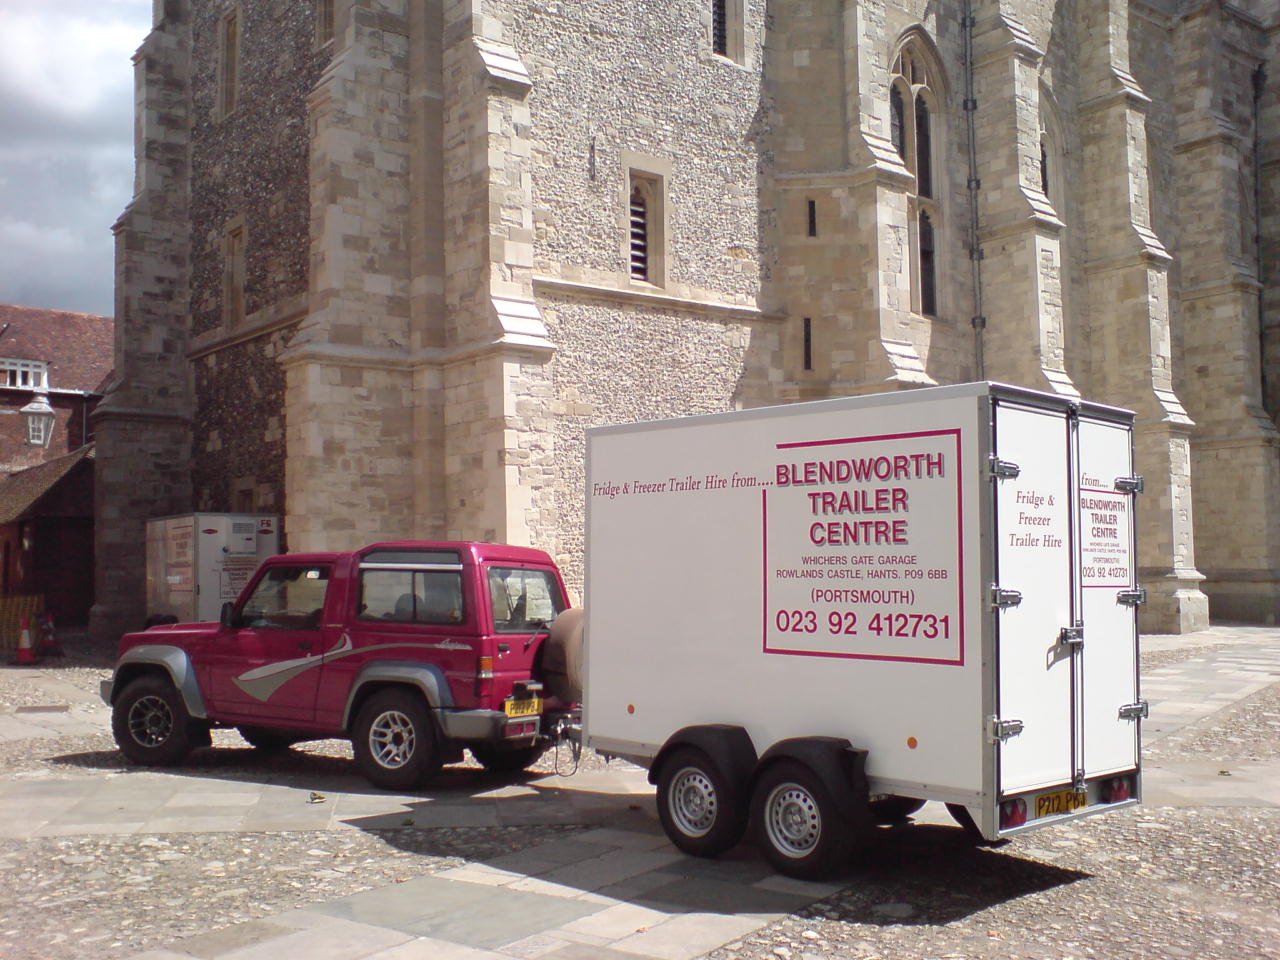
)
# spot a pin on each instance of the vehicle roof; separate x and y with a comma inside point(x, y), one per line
point(476, 551)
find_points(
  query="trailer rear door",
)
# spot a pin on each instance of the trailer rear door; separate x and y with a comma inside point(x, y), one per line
point(1066, 623)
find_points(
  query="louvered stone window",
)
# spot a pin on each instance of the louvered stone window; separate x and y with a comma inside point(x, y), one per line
point(914, 98)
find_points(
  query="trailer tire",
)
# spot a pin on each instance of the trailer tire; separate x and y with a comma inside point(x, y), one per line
point(891, 810)
point(798, 822)
point(265, 740)
point(560, 659)
point(696, 804)
point(394, 740)
point(150, 722)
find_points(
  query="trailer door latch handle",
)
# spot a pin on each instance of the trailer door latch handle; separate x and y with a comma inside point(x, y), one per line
point(1003, 469)
point(1135, 711)
point(1004, 598)
point(1132, 597)
point(1071, 635)
point(1002, 730)
point(1129, 484)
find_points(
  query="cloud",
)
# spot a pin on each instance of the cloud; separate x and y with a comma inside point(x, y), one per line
point(66, 154)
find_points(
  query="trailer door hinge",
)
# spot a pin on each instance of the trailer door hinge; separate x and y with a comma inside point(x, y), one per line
point(1129, 484)
point(1072, 635)
point(1004, 598)
point(1134, 711)
point(1132, 597)
point(1003, 469)
point(998, 731)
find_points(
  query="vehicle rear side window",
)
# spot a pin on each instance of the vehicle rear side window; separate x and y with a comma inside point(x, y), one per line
point(412, 596)
point(288, 598)
point(523, 600)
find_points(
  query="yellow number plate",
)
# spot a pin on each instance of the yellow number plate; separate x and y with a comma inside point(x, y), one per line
point(1063, 801)
point(523, 708)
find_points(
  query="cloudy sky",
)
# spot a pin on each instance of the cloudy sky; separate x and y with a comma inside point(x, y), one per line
point(66, 146)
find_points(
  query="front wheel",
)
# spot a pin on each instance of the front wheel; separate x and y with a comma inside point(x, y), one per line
point(800, 829)
point(395, 741)
point(150, 722)
point(696, 804)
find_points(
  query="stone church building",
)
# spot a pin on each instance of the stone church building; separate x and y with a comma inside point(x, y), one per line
point(387, 259)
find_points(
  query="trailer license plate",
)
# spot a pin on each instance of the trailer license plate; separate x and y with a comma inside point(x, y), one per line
point(523, 708)
point(1063, 801)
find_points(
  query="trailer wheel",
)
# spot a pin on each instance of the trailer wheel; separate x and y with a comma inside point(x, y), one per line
point(696, 804)
point(150, 722)
point(890, 810)
point(267, 741)
point(800, 830)
point(499, 761)
point(394, 740)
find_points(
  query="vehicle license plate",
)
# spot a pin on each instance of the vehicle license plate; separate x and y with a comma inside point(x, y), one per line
point(523, 708)
point(1061, 801)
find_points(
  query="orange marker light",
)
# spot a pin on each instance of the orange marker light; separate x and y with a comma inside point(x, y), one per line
point(912, 743)
point(631, 708)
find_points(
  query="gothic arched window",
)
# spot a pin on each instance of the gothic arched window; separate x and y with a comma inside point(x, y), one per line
point(915, 95)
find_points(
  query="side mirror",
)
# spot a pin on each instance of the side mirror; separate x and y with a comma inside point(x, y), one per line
point(228, 616)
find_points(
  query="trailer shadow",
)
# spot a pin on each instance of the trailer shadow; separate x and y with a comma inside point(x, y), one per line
point(612, 846)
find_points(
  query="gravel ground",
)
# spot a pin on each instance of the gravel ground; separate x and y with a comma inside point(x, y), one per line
point(1198, 882)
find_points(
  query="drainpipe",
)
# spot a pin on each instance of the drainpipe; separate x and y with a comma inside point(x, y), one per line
point(978, 321)
point(1259, 80)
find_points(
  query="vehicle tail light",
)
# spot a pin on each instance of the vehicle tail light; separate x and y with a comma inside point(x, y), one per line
point(1116, 790)
point(484, 677)
point(1013, 813)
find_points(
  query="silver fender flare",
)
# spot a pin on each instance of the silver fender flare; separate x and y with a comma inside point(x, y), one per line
point(428, 679)
point(172, 660)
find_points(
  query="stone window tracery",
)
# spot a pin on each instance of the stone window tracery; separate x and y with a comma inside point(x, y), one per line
point(914, 96)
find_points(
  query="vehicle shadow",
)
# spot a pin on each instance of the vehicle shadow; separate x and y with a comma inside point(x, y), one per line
point(612, 846)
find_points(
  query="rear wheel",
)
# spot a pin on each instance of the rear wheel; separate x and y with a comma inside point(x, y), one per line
point(150, 722)
point(696, 804)
point(497, 760)
point(395, 740)
point(800, 828)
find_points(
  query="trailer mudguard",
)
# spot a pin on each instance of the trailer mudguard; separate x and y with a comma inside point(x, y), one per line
point(728, 746)
point(838, 764)
point(173, 661)
point(427, 678)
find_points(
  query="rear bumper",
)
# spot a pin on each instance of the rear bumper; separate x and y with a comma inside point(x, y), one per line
point(487, 726)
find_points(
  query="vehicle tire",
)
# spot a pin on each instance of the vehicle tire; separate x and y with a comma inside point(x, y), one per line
point(150, 722)
point(696, 804)
point(394, 740)
point(267, 741)
point(497, 760)
point(560, 659)
point(799, 825)
point(890, 810)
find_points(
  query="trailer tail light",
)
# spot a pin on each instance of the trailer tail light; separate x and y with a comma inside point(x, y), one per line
point(1013, 813)
point(484, 676)
point(1116, 790)
point(517, 731)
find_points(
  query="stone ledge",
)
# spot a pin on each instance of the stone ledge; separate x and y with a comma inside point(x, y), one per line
point(269, 319)
point(591, 291)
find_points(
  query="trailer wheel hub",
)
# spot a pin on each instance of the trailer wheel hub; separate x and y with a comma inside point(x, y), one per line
point(792, 820)
point(693, 802)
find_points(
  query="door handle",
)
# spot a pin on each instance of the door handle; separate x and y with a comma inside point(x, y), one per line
point(305, 644)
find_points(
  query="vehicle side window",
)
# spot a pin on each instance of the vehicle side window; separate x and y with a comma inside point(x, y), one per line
point(411, 596)
point(523, 600)
point(288, 598)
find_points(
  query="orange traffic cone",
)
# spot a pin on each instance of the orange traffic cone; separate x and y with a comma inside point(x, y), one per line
point(48, 641)
point(25, 652)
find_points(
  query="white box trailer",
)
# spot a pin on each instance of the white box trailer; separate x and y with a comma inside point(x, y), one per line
point(827, 613)
point(196, 561)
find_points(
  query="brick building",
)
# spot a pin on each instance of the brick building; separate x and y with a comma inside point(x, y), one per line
point(387, 260)
point(54, 366)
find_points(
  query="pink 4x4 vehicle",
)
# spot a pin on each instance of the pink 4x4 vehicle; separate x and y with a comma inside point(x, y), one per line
point(412, 650)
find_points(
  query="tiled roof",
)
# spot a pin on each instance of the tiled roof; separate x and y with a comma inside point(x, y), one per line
point(76, 346)
point(20, 491)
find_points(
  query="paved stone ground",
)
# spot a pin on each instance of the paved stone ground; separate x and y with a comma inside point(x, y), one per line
point(237, 856)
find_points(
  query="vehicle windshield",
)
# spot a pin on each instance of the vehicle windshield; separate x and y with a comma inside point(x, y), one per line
point(523, 600)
